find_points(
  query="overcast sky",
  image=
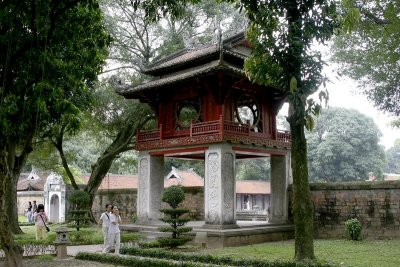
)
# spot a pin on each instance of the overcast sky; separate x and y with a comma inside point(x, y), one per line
point(343, 93)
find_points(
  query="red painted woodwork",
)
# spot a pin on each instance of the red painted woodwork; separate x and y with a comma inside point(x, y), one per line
point(209, 132)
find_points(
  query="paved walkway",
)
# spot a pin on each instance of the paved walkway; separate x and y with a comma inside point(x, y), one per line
point(73, 250)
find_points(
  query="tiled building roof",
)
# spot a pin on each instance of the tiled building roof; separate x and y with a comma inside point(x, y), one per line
point(115, 181)
point(30, 182)
point(184, 65)
point(253, 187)
point(185, 178)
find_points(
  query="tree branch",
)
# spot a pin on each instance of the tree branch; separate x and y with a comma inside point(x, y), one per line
point(375, 18)
point(58, 143)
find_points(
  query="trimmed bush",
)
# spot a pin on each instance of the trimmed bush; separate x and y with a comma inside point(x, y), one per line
point(174, 195)
point(223, 260)
point(79, 215)
point(353, 229)
point(132, 261)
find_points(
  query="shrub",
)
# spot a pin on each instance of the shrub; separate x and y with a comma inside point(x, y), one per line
point(79, 215)
point(132, 261)
point(203, 259)
point(174, 195)
point(353, 229)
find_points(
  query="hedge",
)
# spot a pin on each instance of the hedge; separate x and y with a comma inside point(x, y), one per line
point(210, 259)
point(133, 261)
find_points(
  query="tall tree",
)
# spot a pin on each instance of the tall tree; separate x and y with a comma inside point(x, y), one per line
point(393, 158)
point(371, 53)
point(344, 146)
point(281, 34)
point(50, 55)
point(136, 42)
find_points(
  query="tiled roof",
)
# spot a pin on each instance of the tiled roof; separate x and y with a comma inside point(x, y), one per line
point(29, 182)
point(185, 75)
point(253, 187)
point(182, 57)
point(190, 55)
point(115, 181)
point(190, 63)
point(186, 178)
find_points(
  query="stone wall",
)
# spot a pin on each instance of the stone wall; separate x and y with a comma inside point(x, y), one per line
point(26, 196)
point(126, 200)
point(374, 204)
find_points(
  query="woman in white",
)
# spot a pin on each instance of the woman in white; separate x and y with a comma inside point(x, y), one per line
point(114, 232)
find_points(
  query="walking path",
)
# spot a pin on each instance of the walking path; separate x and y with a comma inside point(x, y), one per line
point(73, 250)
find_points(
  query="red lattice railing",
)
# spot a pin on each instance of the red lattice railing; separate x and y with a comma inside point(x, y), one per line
point(236, 128)
point(204, 128)
point(148, 135)
point(207, 128)
point(283, 136)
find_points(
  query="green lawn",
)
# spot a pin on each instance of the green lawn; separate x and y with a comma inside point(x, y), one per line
point(382, 253)
point(89, 235)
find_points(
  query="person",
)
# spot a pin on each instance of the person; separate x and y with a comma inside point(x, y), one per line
point(114, 233)
point(40, 218)
point(105, 221)
point(34, 209)
point(29, 212)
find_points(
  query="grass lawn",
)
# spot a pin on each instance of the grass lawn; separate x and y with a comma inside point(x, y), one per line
point(382, 253)
point(85, 236)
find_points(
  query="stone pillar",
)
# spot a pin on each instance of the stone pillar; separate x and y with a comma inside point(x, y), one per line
point(150, 188)
point(279, 193)
point(219, 188)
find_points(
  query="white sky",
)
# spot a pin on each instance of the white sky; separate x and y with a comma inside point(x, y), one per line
point(343, 92)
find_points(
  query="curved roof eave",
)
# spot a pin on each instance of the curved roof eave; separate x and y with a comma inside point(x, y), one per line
point(184, 75)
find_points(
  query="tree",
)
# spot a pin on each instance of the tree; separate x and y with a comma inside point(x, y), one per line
point(344, 146)
point(253, 169)
point(135, 43)
point(370, 54)
point(50, 55)
point(281, 34)
point(393, 158)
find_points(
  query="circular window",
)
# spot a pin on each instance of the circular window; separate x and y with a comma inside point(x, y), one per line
point(247, 111)
point(187, 114)
point(246, 115)
point(187, 111)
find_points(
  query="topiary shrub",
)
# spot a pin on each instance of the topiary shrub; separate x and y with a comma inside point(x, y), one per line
point(353, 229)
point(173, 196)
point(79, 215)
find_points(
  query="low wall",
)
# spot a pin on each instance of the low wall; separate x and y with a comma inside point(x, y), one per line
point(374, 204)
point(126, 200)
point(25, 196)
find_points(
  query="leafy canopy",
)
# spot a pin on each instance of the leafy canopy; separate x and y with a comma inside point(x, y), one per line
point(371, 55)
point(49, 61)
point(344, 147)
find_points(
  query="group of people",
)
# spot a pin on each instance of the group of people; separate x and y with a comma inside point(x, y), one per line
point(110, 221)
point(30, 211)
point(35, 213)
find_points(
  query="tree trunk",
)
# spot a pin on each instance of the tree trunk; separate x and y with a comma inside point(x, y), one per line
point(13, 252)
point(12, 204)
point(302, 206)
point(121, 144)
